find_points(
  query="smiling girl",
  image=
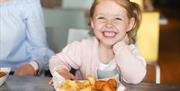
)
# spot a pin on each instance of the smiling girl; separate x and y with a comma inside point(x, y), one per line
point(111, 53)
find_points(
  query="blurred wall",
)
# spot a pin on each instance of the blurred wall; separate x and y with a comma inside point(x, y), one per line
point(57, 23)
point(85, 4)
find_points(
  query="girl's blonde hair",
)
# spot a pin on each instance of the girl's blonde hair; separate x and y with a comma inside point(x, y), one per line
point(133, 10)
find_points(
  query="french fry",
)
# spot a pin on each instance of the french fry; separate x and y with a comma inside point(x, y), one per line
point(88, 88)
point(91, 79)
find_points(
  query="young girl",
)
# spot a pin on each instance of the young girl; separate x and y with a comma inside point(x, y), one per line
point(111, 52)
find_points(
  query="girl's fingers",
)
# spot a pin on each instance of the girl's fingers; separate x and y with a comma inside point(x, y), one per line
point(51, 83)
point(72, 77)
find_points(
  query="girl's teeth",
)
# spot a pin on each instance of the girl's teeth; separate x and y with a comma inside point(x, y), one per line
point(109, 34)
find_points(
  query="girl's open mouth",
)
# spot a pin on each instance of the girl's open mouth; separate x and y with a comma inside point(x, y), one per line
point(109, 34)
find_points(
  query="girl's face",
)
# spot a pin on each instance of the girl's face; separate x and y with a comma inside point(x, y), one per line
point(110, 22)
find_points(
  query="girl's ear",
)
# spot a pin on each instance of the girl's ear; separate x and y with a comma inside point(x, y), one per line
point(131, 24)
point(91, 23)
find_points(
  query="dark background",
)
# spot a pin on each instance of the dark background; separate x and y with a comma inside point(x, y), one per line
point(167, 3)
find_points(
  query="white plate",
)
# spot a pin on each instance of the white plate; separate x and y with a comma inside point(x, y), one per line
point(3, 79)
point(58, 79)
point(120, 88)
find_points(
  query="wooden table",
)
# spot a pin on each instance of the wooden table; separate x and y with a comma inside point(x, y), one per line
point(15, 83)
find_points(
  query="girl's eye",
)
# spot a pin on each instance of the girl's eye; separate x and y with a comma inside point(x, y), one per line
point(101, 17)
point(118, 19)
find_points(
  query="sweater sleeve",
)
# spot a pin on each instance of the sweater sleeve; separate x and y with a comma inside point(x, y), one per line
point(69, 57)
point(36, 48)
point(131, 63)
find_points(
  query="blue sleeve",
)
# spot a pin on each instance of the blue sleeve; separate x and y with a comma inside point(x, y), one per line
point(36, 36)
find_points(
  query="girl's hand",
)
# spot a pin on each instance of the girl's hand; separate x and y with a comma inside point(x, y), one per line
point(61, 75)
point(126, 39)
point(51, 83)
point(66, 74)
point(123, 42)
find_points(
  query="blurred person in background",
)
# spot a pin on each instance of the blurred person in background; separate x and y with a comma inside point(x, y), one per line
point(23, 44)
point(148, 5)
point(51, 3)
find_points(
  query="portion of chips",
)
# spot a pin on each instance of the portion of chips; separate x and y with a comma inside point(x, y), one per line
point(89, 85)
point(70, 85)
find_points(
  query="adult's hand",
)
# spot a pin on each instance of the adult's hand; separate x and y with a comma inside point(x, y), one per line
point(26, 70)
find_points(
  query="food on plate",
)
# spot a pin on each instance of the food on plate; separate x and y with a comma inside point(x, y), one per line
point(112, 83)
point(70, 85)
point(2, 74)
point(89, 85)
point(99, 84)
point(91, 79)
point(109, 85)
point(88, 88)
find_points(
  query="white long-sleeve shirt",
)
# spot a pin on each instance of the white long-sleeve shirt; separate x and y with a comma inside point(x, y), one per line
point(22, 34)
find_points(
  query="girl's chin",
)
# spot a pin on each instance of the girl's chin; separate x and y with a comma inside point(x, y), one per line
point(108, 43)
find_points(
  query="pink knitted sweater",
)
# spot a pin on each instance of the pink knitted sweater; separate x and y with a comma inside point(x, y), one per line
point(83, 55)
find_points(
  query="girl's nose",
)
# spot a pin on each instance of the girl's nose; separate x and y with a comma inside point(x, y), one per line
point(109, 24)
